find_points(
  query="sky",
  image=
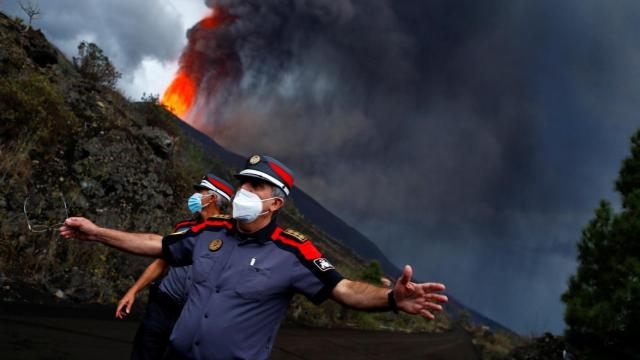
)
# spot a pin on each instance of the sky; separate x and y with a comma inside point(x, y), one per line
point(143, 39)
point(470, 139)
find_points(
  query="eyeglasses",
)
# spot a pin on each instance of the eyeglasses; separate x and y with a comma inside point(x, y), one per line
point(37, 228)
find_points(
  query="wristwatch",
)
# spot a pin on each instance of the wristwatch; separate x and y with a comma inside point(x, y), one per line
point(392, 302)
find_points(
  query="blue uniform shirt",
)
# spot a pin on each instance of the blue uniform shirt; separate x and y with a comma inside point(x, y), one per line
point(241, 286)
point(177, 281)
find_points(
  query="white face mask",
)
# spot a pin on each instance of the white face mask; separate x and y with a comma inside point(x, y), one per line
point(247, 206)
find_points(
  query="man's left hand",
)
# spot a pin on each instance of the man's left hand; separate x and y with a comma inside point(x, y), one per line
point(420, 299)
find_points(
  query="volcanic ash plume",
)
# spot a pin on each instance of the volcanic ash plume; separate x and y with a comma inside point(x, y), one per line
point(246, 60)
point(207, 64)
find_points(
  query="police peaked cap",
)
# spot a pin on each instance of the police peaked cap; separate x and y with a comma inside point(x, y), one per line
point(212, 182)
point(267, 169)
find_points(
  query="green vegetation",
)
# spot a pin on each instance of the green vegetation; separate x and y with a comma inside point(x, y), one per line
point(491, 344)
point(154, 114)
point(34, 111)
point(603, 299)
point(95, 66)
point(330, 314)
point(372, 273)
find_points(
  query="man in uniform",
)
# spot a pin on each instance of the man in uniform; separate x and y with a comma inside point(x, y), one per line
point(246, 270)
point(167, 298)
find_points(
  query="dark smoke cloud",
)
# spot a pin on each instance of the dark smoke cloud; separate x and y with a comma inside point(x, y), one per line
point(471, 139)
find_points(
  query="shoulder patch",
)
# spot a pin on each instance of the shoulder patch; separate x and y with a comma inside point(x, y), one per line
point(220, 217)
point(296, 235)
point(323, 264)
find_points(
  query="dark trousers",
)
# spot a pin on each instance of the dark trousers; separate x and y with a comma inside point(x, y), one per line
point(152, 339)
point(172, 354)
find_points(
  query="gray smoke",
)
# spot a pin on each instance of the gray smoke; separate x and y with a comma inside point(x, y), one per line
point(470, 139)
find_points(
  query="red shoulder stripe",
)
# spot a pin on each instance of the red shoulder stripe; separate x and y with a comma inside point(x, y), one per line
point(201, 226)
point(183, 224)
point(276, 233)
point(306, 248)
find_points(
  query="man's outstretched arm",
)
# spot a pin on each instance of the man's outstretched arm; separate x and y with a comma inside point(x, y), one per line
point(140, 244)
point(419, 299)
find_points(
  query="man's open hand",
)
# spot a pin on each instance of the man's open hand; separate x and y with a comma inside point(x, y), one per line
point(419, 299)
point(79, 228)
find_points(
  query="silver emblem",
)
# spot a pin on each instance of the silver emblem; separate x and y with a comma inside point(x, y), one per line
point(323, 264)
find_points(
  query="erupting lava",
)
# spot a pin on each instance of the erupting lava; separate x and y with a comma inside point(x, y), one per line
point(180, 95)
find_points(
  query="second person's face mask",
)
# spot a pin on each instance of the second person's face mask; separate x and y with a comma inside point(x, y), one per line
point(195, 202)
point(247, 206)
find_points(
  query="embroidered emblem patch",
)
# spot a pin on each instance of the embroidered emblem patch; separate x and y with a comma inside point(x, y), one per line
point(323, 264)
point(215, 245)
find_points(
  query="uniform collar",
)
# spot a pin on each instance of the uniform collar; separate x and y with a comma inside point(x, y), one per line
point(261, 236)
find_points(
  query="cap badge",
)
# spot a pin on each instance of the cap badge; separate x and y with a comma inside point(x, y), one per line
point(215, 245)
point(254, 159)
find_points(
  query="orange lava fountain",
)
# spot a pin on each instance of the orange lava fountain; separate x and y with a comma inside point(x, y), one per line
point(180, 95)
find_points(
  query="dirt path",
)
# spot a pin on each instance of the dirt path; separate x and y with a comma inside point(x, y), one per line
point(321, 344)
point(67, 334)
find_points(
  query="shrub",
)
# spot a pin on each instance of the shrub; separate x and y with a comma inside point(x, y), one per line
point(372, 273)
point(33, 106)
point(95, 66)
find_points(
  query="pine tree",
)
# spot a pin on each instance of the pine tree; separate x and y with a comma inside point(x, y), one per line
point(603, 300)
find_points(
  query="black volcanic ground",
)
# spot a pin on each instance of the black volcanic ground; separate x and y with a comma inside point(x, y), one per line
point(55, 332)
